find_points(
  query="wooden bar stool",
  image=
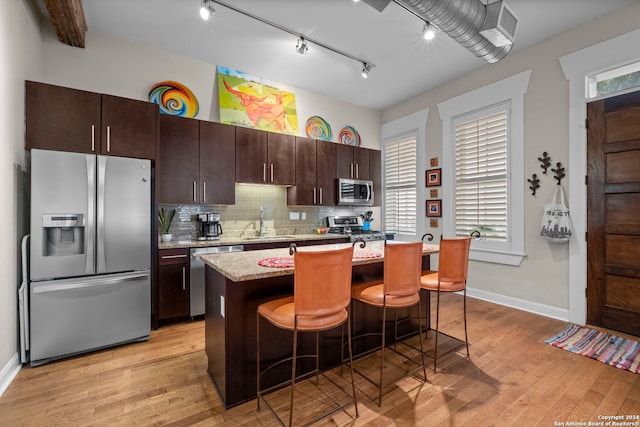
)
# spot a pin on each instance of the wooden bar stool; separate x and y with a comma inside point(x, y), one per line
point(320, 301)
point(399, 288)
point(453, 263)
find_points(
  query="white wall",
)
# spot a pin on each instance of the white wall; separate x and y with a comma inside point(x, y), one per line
point(117, 67)
point(20, 53)
point(541, 282)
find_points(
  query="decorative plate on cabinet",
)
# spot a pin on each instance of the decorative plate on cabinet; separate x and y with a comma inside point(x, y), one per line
point(350, 136)
point(174, 98)
point(318, 128)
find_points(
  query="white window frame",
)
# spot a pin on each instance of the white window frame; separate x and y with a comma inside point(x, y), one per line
point(412, 125)
point(512, 90)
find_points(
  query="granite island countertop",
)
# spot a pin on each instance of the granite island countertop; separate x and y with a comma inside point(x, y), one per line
point(231, 240)
point(242, 266)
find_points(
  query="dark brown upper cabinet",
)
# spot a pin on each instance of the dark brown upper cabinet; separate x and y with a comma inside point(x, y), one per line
point(264, 157)
point(315, 174)
point(352, 162)
point(65, 119)
point(195, 162)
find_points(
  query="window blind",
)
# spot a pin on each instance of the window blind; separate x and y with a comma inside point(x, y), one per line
point(481, 186)
point(400, 186)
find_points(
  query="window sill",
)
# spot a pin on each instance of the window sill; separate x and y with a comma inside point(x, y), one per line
point(497, 257)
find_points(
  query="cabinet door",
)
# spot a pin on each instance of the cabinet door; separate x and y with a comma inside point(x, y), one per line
point(326, 172)
point(217, 163)
point(375, 175)
point(305, 190)
point(251, 155)
point(281, 153)
point(173, 283)
point(177, 162)
point(128, 127)
point(361, 162)
point(344, 161)
point(63, 119)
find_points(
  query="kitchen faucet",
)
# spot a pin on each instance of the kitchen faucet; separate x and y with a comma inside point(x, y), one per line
point(261, 221)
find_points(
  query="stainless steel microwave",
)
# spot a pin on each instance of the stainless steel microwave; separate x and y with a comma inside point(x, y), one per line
point(355, 192)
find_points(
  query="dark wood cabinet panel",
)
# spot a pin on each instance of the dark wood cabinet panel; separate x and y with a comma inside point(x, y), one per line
point(177, 162)
point(281, 154)
point(128, 127)
point(353, 162)
point(375, 175)
point(315, 173)
point(63, 119)
point(361, 162)
point(217, 163)
point(251, 155)
point(344, 161)
point(173, 284)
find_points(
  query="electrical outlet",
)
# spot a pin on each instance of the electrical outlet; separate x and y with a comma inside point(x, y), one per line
point(304, 216)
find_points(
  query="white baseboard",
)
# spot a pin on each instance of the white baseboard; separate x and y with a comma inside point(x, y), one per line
point(520, 304)
point(9, 372)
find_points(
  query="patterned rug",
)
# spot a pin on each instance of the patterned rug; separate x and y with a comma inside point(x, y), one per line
point(613, 350)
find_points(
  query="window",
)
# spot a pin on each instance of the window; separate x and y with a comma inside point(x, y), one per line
point(483, 168)
point(400, 186)
point(615, 81)
point(481, 184)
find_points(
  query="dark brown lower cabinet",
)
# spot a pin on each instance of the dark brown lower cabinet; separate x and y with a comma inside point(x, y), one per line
point(173, 284)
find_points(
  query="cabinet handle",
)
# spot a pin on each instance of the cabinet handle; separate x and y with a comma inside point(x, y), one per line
point(108, 139)
point(357, 170)
point(271, 172)
point(351, 170)
point(173, 256)
point(93, 138)
point(195, 189)
point(264, 172)
point(320, 195)
point(204, 191)
point(314, 195)
point(184, 280)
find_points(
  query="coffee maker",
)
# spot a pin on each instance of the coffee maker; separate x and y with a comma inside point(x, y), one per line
point(209, 227)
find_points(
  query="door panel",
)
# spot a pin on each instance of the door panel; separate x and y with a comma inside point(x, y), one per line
point(217, 163)
point(613, 223)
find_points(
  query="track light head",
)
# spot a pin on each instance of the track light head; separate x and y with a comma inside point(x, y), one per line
point(365, 69)
point(206, 9)
point(429, 31)
point(302, 46)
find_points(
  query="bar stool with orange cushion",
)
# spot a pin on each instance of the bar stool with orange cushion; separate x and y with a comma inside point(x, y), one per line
point(453, 262)
point(399, 288)
point(320, 301)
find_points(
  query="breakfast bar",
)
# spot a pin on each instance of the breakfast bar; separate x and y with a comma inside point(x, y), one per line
point(236, 283)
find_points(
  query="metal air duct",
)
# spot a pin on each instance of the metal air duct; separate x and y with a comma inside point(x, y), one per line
point(461, 20)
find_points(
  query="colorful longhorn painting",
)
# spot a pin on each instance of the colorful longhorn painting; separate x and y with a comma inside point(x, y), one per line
point(251, 101)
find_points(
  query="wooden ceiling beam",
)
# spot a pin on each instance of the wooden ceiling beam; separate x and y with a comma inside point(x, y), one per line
point(67, 17)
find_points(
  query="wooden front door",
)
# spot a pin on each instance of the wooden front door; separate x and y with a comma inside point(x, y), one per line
point(613, 213)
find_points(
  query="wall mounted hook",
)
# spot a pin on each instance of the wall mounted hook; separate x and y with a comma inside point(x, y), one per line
point(545, 161)
point(535, 184)
point(559, 172)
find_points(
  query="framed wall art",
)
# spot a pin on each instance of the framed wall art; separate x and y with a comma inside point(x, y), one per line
point(433, 178)
point(434, 208)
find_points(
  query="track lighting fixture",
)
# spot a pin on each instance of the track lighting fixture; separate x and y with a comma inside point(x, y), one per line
point(206, 9)
point(303, 43)
point(365, 69)
point(429, 31)
point(302, 46)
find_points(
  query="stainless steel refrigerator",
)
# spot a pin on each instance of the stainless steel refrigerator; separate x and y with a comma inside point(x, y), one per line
point(90, 255)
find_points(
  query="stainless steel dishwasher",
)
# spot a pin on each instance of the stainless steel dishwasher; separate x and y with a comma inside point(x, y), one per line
point(196, 282)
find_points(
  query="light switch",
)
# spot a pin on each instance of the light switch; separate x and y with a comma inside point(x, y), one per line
point(304, 216)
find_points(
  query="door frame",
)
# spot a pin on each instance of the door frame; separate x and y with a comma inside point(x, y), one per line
point(577, 66)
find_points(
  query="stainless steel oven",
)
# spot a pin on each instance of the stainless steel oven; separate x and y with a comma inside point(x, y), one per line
point(355, 192)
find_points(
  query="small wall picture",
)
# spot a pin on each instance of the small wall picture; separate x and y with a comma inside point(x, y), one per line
point(433, 193)
point(433, 178)
point(433, 162)
point(434, 208)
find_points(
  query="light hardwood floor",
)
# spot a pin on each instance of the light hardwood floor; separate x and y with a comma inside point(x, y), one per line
point(512, 378)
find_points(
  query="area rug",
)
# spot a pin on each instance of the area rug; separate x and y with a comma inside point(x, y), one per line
point(613, 350)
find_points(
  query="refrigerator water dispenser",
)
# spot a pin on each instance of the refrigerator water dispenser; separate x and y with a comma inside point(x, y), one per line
point(63, 234)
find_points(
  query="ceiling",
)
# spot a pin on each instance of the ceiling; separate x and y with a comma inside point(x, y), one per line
point(405, 64)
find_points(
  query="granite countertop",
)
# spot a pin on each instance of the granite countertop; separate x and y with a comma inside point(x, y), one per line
point(242, 266)
point(229, 240)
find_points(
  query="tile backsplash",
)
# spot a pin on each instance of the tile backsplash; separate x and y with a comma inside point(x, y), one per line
point(243, 218)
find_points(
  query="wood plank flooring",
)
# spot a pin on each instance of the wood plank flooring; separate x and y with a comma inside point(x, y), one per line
point(511, 379)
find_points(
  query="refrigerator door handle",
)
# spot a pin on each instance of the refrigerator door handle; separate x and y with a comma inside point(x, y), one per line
point(102, 168)
point(88, 283)
point(91, 216)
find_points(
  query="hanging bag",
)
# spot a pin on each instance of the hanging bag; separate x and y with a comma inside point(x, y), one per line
point(556, 224)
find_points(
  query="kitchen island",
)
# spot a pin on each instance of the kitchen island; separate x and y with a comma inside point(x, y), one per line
point(235, 284)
